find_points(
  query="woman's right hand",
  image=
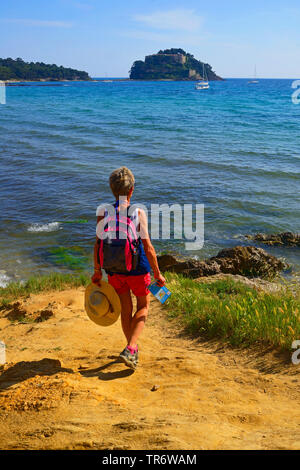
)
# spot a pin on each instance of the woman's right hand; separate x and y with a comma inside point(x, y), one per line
point(96, 277)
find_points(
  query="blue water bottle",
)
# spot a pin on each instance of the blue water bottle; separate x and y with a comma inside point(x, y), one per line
point(161, 293)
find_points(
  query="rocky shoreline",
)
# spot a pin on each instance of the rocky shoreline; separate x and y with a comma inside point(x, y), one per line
point(247, 261)
point(277, 239)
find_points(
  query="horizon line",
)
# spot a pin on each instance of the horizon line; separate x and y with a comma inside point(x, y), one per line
point(224, 78)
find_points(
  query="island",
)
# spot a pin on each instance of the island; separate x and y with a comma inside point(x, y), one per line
point(172, 64)
point(18, 70)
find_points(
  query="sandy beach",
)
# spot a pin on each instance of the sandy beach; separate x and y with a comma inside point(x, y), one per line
point(63, 387)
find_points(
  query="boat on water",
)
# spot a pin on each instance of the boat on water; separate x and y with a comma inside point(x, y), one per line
point(204, 83)
point(254, 81)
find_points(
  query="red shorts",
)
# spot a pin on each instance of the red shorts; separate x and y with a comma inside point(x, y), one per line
point(137, 284)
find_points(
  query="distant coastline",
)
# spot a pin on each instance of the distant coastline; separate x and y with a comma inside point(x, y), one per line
point(53, 82)
point(16, 70)
point(41, 80)
point(44, 82)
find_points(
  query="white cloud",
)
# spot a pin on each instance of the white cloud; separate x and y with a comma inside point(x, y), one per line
point(30, 22)
point(167, 40)
point(178, 19)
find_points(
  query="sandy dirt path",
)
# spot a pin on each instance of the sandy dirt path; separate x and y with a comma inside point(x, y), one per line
point(63, 387)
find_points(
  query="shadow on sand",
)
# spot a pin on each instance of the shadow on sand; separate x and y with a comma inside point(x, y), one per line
point(119, 374)
point(27, 369)
point(24, 370)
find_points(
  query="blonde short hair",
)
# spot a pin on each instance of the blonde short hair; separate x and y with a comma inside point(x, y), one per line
point(121, 181)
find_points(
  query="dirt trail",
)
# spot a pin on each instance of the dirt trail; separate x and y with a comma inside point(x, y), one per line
point(63, 387)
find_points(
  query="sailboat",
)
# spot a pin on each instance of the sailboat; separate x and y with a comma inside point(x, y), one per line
point(204, 83)
point(255, 77)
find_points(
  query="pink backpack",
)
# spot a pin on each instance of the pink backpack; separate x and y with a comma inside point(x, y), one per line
point(119, 244)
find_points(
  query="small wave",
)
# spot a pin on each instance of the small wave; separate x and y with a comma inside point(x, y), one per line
point(4, 279)
point(51, 227)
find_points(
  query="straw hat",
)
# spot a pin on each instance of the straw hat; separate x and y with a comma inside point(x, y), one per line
point(102, 304)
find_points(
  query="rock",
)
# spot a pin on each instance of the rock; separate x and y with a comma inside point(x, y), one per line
point(243, 260)
point(44, 315)
point(190, 267)
point(171, 64)
point(15, 312)
point(154, 388)
point(19, 312)
point(284, 239)
point(248, 261)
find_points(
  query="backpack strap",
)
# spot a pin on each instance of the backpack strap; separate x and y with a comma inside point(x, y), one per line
point(98, 249)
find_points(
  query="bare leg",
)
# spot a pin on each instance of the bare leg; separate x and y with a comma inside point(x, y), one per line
point(139, 319)
point(126, 314)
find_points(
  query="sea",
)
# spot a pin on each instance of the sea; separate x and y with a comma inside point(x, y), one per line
point(234, 148)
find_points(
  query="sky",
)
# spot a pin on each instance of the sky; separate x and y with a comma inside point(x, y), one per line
point(105, 37)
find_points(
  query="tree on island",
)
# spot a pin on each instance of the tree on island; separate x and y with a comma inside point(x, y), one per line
point(17, 69)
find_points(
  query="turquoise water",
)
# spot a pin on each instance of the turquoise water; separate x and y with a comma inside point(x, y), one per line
point(233, 148)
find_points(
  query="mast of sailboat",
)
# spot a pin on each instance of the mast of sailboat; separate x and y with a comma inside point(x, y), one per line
point(204, 74)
